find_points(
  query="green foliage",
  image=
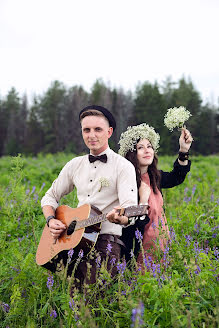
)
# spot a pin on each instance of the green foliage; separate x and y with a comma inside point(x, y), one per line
point(179, 291)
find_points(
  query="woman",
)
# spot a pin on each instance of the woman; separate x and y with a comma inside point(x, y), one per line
point(139, 145)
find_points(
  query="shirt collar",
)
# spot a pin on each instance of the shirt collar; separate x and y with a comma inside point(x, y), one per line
point(106, 151)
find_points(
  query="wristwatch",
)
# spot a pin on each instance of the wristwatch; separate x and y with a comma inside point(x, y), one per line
point(49, 218)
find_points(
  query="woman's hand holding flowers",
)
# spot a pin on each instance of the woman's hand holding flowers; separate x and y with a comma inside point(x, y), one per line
point(185, 140)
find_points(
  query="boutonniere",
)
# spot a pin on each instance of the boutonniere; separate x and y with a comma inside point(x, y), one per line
point(103, 183)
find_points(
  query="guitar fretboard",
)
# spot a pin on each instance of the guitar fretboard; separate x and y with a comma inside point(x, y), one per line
point(90, 221)
point(131, 211)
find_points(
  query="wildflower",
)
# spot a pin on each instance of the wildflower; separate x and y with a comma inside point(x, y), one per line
point(188, 240)
point(108, 248)
point(43, 185)
point(172, 234)
point(70, 254)
point(98, 261)
point(138, 235)
point(33, 189)
point(5, 307)
point(81, 253)
point(130, 137)
point(193, 189)
point(198, 270)
point(74, 308)
point(53, 314)
point(103, 183)
point(113, 261)
point(50, 282)
point(176, 117)
point(137, 315)
point(121, 267)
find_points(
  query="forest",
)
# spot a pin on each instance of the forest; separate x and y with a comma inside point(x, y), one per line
point(49, 123)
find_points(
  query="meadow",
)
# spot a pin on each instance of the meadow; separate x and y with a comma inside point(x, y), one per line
point(180, 291)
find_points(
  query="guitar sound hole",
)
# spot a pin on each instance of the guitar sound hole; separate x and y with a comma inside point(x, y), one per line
point(71, 228)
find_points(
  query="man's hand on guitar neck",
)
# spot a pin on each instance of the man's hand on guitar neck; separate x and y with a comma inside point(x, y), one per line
point(56, 227)
point(114, 217)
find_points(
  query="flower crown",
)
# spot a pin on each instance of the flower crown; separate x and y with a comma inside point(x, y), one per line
point(130, 137)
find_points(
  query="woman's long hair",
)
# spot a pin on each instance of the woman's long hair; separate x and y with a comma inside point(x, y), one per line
point(153, 172)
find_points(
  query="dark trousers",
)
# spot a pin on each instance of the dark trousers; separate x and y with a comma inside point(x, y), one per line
point(108, 249)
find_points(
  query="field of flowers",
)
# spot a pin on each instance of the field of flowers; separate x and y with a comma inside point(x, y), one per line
point(181, 292)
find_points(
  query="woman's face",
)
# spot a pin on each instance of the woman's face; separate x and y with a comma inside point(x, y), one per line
point(145, 153)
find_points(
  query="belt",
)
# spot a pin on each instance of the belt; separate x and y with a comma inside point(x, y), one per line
point(111, 238)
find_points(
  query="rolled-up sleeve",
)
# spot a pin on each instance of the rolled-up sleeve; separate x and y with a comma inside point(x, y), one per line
point(63, 185)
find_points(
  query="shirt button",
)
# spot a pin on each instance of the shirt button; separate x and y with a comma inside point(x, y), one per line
point(91, 180)
point(95, 167)
point(88, 195)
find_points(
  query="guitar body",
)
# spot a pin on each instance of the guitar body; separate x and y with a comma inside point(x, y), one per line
point(50, 251)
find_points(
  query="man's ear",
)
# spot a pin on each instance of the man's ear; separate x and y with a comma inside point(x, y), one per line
point(110, 131)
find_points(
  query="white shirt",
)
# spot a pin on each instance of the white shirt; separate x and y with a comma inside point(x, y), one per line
point(118, 173)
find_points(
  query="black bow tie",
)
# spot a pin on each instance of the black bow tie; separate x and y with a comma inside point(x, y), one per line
point(102, 158)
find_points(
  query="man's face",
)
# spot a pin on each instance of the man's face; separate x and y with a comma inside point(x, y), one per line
point(96, 132)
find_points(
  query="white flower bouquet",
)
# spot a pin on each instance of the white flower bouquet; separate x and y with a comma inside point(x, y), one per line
point(176, 117)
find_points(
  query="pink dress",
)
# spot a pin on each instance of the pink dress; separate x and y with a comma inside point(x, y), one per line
point(156, 232)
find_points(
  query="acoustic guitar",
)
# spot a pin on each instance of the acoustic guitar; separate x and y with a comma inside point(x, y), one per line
point(83, 227)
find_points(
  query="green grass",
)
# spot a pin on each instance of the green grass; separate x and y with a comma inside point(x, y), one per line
point(183, 292)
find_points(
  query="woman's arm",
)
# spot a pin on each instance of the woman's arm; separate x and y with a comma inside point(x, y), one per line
point(181, 166)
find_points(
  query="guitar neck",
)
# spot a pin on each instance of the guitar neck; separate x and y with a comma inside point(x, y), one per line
point(130, 211)
point(90, 221)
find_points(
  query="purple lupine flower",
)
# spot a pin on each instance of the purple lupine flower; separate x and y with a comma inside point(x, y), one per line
point(27, 191)
point(73, 306)
point(98, 261)
point(113, 261)
point(53, 314)
point(146, 262)
point(193, 189)
point(132, 253)
point(5, 307)
point(197, 226)
point(138, 235)
point(198, 270)
point(188, 240)
point(81, 253)
point(121, 267)
point(108, 248)
point(35, 197)
point(33, 189)
point(172, 234)
point(212, 197)
point(197, 200)
point(50, 282)
point(137, 316)
point(70, 254)
point(186, 190)
point(153, 224)
point(16, 269)
point(154, 270)
point(43, 185)
point(187, 199)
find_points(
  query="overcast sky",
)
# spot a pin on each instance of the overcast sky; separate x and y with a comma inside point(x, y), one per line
point(124, 42)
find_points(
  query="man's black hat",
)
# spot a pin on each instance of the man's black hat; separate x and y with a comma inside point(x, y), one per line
point(104, 111)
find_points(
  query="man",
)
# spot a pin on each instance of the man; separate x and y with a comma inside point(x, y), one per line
point(105, 182)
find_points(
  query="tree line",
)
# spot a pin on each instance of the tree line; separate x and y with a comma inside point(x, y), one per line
point(50, 124)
